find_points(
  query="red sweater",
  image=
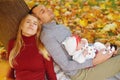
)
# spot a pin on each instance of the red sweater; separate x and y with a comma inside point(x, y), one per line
point(30, 63)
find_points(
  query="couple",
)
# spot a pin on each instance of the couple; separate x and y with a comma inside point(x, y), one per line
point(52, 35)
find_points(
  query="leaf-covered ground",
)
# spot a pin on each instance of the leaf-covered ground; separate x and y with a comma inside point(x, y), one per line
point(96, 20)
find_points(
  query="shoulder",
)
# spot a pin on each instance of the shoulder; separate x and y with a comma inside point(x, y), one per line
point(61, 26)
point(64, 28)
point(11, 42)
point(10, 45)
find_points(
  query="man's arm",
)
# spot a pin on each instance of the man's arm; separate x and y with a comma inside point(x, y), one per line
point(61, 57)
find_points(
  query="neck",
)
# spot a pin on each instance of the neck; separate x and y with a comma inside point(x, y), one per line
point(49, 22)
point(29, 40)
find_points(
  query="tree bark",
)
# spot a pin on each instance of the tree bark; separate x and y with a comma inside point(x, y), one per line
point(11, 12)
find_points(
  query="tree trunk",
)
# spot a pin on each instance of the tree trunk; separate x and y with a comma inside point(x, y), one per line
point(11, 12)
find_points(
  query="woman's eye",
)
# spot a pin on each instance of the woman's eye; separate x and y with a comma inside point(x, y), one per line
point(35, 23)
point(27, 21)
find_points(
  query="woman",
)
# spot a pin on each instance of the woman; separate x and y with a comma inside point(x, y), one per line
point(28, 57)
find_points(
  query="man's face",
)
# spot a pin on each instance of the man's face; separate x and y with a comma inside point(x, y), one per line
point(43, 13)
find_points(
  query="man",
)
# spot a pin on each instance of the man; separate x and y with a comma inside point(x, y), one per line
point(52, 36)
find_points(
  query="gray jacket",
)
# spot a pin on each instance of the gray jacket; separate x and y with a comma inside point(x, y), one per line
point(52, 36)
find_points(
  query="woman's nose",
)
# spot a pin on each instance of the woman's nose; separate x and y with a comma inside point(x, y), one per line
point(31, 24)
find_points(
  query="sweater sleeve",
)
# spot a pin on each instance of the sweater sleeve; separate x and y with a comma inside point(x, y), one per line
point(11, 72)
point(50, 74)
point(60, 56)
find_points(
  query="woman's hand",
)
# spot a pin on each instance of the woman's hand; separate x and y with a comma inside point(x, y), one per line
point(100, 57)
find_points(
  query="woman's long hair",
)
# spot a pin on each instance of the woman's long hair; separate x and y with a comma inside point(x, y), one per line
point(19, 43)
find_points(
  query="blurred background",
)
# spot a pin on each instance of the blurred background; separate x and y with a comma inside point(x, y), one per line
point(96, 20)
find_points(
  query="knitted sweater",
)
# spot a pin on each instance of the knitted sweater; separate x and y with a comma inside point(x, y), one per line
point(30, 63)
point(52, 36)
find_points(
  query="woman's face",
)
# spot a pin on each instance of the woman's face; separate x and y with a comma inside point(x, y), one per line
point(43, 13)
point(30, 26)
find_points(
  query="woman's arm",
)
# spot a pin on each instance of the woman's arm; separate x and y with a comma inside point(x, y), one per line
point(50, 74)
point(10, 75)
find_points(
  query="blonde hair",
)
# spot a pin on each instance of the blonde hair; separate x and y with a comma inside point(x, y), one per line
point(19, 43)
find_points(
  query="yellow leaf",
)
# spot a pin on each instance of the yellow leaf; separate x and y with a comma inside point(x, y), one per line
point(83, 22)
point(86, 8)
point(4, 69)
point(102, 6)
point(30, 3)
point(67, 5)
point(56, 12)
point(63, 10)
